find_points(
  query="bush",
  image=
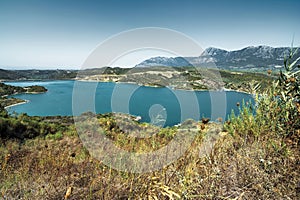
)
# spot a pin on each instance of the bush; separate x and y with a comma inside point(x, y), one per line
point(25, 127)
point(56, 136)
point(277, 109)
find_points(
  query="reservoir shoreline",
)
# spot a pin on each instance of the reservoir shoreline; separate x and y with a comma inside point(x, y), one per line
point(20, 103)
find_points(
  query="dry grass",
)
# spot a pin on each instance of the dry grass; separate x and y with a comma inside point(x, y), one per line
point(238, 167)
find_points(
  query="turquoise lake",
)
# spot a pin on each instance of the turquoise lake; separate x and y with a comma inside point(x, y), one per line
point(160, 106)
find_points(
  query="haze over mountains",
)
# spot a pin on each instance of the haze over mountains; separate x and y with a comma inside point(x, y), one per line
point(249, 58)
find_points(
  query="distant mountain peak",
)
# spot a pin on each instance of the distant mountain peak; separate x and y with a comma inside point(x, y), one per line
point(213, 51)
point(249, 58)
point(164, 62)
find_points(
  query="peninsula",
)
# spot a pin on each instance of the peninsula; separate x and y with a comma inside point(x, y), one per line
point(7, 90)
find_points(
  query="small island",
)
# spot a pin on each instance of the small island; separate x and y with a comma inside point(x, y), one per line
point(35, 89)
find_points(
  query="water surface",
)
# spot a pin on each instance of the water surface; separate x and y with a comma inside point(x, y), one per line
point(161, 106)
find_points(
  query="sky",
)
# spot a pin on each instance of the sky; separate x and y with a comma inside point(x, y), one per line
point(52, 34)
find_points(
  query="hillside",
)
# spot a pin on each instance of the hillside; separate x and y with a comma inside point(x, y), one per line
point(189, 78)
point(37, 74)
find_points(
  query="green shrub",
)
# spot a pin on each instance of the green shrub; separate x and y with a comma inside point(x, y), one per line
point(289, 95)
point(277, 108)
point(56, 136)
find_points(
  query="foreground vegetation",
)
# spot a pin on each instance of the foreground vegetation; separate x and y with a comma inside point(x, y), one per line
point(256, 154)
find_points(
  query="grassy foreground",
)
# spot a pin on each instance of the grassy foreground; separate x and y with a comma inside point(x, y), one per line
point(241, 165)
point(255, 155)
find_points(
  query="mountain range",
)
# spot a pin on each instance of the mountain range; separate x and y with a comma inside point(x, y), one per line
point(250, 58)
point(260, 58)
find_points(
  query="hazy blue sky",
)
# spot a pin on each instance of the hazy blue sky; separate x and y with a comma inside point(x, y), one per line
point(62, 33)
